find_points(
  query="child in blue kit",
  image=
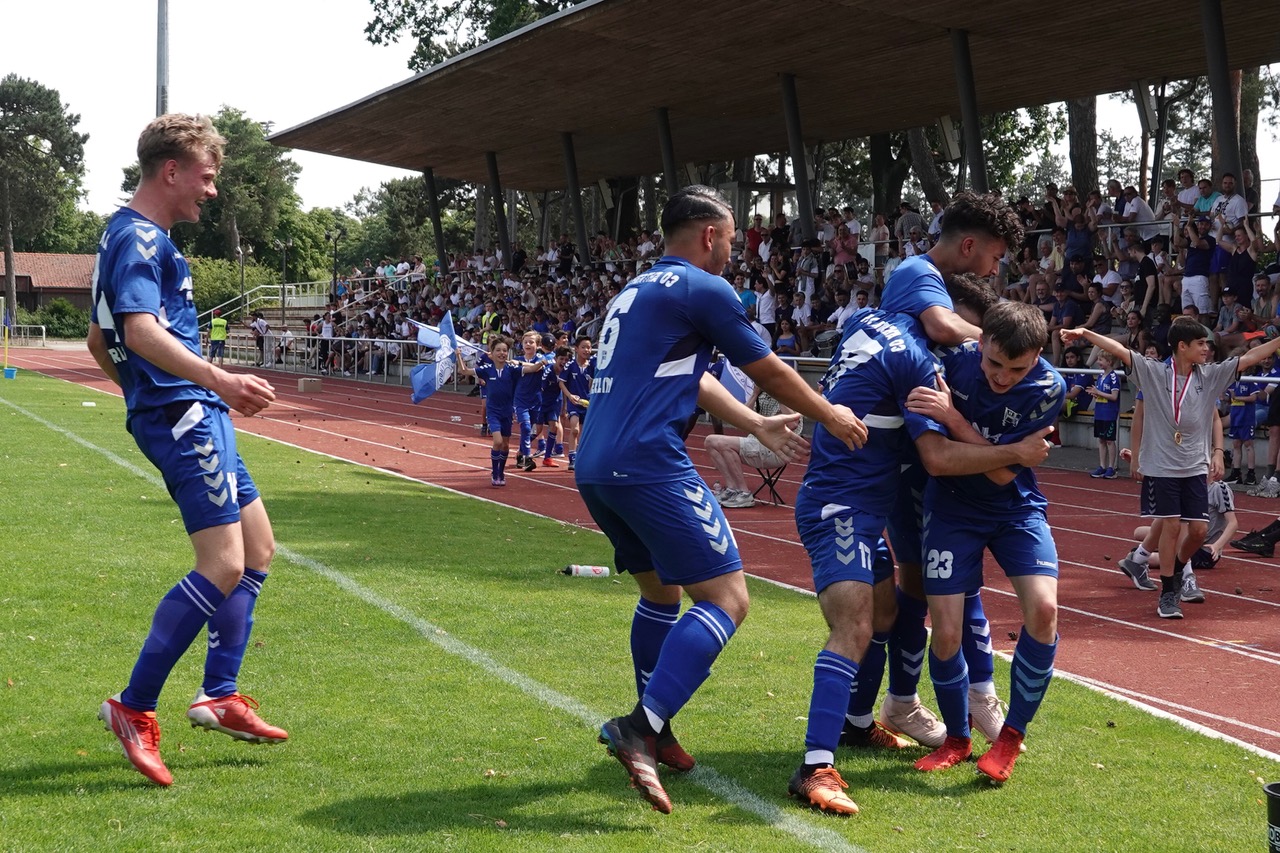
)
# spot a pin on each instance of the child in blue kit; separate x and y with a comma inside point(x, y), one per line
point(1243, 421)
point(1105, 415)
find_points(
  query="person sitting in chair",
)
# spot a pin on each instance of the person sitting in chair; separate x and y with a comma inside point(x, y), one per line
point(729, 453)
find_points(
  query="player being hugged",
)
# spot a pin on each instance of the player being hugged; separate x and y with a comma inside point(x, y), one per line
point(640, 486)
point(144, 334)
point(1001, 388)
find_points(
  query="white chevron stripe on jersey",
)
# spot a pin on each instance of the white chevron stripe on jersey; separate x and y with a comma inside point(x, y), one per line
point(147, 252)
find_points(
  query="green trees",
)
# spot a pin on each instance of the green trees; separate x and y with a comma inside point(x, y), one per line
point(41, 164)
point(445, 28)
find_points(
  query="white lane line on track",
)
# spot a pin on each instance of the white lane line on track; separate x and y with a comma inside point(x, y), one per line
point(727, 789)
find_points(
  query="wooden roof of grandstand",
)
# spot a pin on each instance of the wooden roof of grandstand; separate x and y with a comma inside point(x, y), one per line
point(600, 70)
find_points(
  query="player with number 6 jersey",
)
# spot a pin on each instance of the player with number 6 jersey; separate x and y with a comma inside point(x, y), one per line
point(640, 486)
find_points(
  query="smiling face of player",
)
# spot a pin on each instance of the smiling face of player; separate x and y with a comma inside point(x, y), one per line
point(498, 352)
point(193, 178)
point(1003, 371)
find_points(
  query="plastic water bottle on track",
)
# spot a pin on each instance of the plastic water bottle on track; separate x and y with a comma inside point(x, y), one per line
point(577, 571)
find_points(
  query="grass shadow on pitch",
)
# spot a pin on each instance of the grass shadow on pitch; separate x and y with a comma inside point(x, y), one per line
point(600, 803)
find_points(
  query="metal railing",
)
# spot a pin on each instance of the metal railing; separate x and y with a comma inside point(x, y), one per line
point(27, 336)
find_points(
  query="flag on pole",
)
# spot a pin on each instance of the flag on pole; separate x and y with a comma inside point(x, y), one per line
point(430, 378)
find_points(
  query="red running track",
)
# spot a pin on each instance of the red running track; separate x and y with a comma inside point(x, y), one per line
point(1216, 669)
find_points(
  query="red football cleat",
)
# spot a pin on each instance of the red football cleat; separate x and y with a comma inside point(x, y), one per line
point(233, 715)
point(668, 751)
point(952, 752)
point(547, 463)
point(998, 762)
point(139, 736)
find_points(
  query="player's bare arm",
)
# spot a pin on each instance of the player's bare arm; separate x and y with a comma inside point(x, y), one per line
point(244, 393)
point(98, 349)
point(788, 388)
point(774, 432)
point(1103, 342)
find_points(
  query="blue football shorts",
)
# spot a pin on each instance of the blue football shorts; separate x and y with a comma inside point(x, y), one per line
point(844, 544)
point(954, 545)
point(499, 422)
point(1241, 432)
point(905, 527)
point(548, 414)
point(194, 448)
point(676, 529)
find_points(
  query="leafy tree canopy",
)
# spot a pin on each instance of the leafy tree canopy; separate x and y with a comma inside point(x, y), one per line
point(446, 28)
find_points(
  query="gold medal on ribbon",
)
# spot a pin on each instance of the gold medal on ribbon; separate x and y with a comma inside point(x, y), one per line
point(1177, 437)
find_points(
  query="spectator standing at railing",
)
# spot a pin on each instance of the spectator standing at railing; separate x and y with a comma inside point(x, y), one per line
point(1137, 211)
point(935, 223)
point(1199, 245)
point(217, 337)
point(908, 218)
point(878, 234)
point(258, 328)
point(1188, 192)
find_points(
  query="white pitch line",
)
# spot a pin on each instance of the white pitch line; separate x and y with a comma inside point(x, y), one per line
point(706, 777)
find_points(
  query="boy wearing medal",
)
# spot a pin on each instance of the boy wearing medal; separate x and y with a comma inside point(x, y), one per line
point(1178, 451)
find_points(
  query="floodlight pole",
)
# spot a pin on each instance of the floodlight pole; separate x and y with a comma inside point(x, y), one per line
point(162, 57)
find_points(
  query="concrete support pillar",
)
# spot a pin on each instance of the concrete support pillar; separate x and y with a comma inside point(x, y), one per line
point(670, 177)
point(962, 64)
point(499, 208)
point(1224, 120)
point(433, 210)
point(799, 156)
point(575, 196)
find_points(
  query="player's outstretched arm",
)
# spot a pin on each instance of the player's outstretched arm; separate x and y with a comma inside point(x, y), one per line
point(98, 349)
point(943, 457)
point(1104, 342)
point(774, 432)
point(1257, 354)
point(789, 389)
point(245, 393)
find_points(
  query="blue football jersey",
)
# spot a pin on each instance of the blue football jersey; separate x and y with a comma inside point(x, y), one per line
point(577, 377)
point(499, 386)
point(881, 358)
point(915, 286)
point(654, 347)
point(1031, 405)
point(550, 384)
point(528, 390)
point(1108, 410)
point(140, 271)
point(1244, 415)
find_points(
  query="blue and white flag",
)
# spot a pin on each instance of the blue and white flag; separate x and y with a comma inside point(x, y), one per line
point(430, 378)
point(736, 382)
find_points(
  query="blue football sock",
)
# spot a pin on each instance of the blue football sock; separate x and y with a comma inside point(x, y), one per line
point(649, 629)
point(229, 628)
point(866, 686)
point(526, 433)
point(497, 459)
point(975, 642)
point(951, 685)
point(907, 642)
point(832, 676)
point(183, 611)
point(550, 445)
point(686, 658)
point(542, 445)
point(1032, 670)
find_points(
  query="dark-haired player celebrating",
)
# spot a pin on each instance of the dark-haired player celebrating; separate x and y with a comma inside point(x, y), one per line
point(143, 333)
point(977, 231)
point(667, 529)
point(1002, 388)
point(575, 386)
